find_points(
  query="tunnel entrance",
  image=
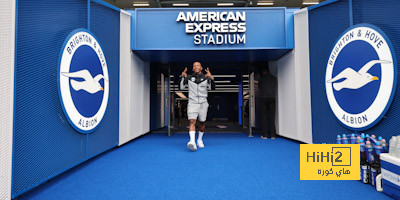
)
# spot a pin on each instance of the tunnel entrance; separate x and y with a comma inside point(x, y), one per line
point(232, 105)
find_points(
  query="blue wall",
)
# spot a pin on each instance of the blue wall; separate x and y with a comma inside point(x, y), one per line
point(45, 144)
point(326, 24)
point(104, 24)
point(386, 16)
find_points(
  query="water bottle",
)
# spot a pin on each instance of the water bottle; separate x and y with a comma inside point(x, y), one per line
point(373, 173)
point(344, 139)
point(361, 172)
point(363, 137)
point(392, 146)
point(385, 146)
point(378, 151)
point(338, 140)
point(379, 183)
point(397, 148)
point(364, 173)
point(353, 138)
point(370, 151)
point(362, 150)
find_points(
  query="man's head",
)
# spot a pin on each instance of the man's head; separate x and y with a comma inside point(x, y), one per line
point(197, 67)
point(265, 71)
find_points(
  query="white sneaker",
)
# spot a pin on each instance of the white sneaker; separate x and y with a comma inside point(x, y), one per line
point(200, 143)
point(192, 146)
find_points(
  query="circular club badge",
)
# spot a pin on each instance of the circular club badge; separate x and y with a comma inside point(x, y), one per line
point(361, 77)
point(83, 81)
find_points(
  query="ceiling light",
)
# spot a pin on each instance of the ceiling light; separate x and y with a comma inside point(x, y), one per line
point(310, 3)
point(224, 4)
point(180, 4)
point(265, 3)
point(140, 4)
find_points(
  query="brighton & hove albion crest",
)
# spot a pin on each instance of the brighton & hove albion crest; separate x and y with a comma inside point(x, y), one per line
point(83, 81)
point(361, 76)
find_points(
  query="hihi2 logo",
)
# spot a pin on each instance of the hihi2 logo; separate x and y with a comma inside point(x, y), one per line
point(329, 162)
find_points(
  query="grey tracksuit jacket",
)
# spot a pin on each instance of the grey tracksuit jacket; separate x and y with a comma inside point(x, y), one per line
point(199, 85)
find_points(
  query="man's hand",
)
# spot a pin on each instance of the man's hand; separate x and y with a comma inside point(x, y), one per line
point(184, 72)
point(208, 73)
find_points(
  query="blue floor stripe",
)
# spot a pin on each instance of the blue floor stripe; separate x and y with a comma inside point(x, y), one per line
point(231, 166)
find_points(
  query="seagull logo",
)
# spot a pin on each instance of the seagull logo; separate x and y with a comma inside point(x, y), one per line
point(83, 81)
point(89, 84)
point(360, 77)
point(353, 79)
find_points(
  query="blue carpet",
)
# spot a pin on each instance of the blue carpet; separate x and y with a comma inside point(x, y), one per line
point(232, 166)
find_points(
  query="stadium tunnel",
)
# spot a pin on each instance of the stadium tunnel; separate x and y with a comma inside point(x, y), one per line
point(234, 54)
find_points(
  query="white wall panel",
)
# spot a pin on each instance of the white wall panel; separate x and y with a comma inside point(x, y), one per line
point(134, 114)
point(303, 90)
point(140, 91)
point(7, 41)
point(294, 96)
point(136, 96)
point(286, 105)
point(125, 79)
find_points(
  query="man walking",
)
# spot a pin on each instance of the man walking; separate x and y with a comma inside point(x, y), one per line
point(197, 108)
